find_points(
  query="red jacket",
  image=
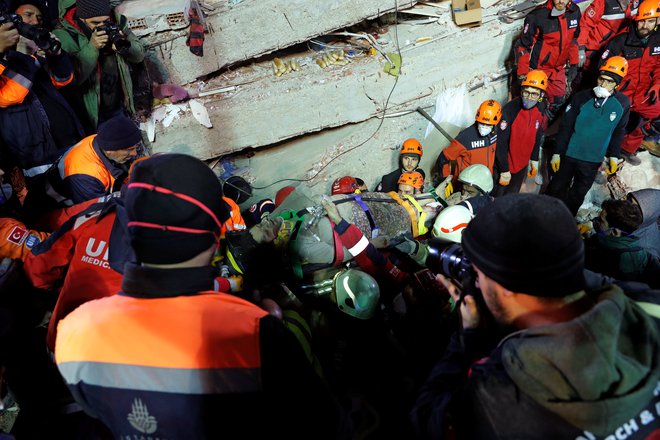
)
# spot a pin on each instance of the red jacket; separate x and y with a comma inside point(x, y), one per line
point(519, 136)
point(467, 149)
point(547, 42)
point(643, 63)
point(77, 253)
point(16, 240)
point(602, 21)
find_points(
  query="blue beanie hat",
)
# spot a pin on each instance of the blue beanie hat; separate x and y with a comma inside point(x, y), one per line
point(118, 133)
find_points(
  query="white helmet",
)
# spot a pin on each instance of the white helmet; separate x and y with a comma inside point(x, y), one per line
point(478, 176)
point(356, 293)
point(450, 223)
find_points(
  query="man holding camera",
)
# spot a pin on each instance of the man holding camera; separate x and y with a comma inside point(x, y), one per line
point(573, 364)
point(102, 50)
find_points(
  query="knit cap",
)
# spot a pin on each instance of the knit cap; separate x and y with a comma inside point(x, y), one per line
point(189, 177)
point(92, 8)
point(118, 133)
point(529, 244)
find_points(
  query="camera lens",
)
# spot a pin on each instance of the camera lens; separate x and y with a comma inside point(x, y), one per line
point(447, 258)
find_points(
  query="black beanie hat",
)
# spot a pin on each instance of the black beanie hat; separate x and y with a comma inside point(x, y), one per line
point(118, 133)
point(529, 244)
point(92, 8)
point(616, 78)
point(181, 174)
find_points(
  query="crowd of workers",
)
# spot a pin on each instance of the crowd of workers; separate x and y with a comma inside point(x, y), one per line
point(137, 301)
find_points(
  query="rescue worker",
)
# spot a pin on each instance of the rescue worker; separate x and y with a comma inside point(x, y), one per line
point(409, 157)
point(98, 164)
point(124, 356)
point(548, 43)
point(474, 145)
point(520, 135)
point(641, 47)
point(561, 363)
point(38, 125)
point(411, 183)
point(76, 257)
point(103, 86)
point(602, 21)
point(591, 130)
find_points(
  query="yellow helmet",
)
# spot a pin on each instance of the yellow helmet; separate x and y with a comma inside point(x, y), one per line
point(537, 79)
point(489, 113)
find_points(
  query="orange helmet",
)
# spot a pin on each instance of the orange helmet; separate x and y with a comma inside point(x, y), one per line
point(489, 113)
point(616, 65)
point(344, 185)
point(536, 78)
point(412, 178)
point(411, 146)
point(648, 9)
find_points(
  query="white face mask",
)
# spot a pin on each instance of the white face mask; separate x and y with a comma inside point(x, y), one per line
point(484, 130)
point(601, 92)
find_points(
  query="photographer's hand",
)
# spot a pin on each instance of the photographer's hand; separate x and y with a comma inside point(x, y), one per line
point(469, 311)
point(8, 37)
point(99, 38)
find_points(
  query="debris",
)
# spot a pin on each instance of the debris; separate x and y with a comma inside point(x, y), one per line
point(393, 67)
point(280, 67)
point(200, 113)
point(332, 58)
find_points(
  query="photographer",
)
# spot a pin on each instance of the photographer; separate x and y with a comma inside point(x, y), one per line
point(37, 123)
point(573, 364)
point(102, 50)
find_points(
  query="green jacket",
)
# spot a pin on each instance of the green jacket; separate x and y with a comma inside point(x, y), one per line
point(85, 60)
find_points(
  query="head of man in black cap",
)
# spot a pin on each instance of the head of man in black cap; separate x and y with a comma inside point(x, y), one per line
point(529, 257)
point(93, 13)
point(174, 210)
point(119, 138)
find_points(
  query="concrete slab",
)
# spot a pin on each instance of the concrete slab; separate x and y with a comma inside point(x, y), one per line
point(244, 30)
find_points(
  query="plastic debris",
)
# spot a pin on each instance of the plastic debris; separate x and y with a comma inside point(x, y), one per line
point(200, 113)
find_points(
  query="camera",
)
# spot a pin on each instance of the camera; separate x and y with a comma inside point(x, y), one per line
point(39, 35)
point(447, 258)
point(115, 36)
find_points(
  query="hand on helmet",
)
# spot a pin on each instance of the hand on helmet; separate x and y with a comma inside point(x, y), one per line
point(445, 189)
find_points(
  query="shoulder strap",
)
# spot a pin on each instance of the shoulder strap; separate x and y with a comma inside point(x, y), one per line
point(409, 209)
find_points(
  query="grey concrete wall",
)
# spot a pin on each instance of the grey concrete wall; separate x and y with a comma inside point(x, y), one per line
point(252, 28)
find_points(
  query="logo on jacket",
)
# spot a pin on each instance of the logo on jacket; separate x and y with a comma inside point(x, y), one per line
point(538, 124)
point(140, 419)
point(479, 144)
point(17, 235)
point(93, 251)
point(32, 241)
point(656, 50)
point(612, 116)
point(591, 12)
point(573, 24)
point(503, 125)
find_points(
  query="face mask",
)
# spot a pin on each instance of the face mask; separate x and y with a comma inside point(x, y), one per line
point(528, 103)
point(484, 130)
point(601, 92)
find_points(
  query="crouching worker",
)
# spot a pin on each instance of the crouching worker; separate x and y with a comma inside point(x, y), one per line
point(569, 356)
point(170, 358)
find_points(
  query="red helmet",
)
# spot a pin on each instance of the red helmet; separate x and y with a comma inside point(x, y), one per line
point(283, 194)
point(344, 185)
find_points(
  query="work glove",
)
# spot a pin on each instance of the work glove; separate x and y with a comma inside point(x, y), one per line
point(505, 178)
point(612, 164)
point(533, 168)
point(653, 93)
point(571, 74)
point(554, 162)
point(582, 56)
point(445, 189)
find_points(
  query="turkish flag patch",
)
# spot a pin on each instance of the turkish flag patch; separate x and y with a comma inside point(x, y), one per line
point(17, 235)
